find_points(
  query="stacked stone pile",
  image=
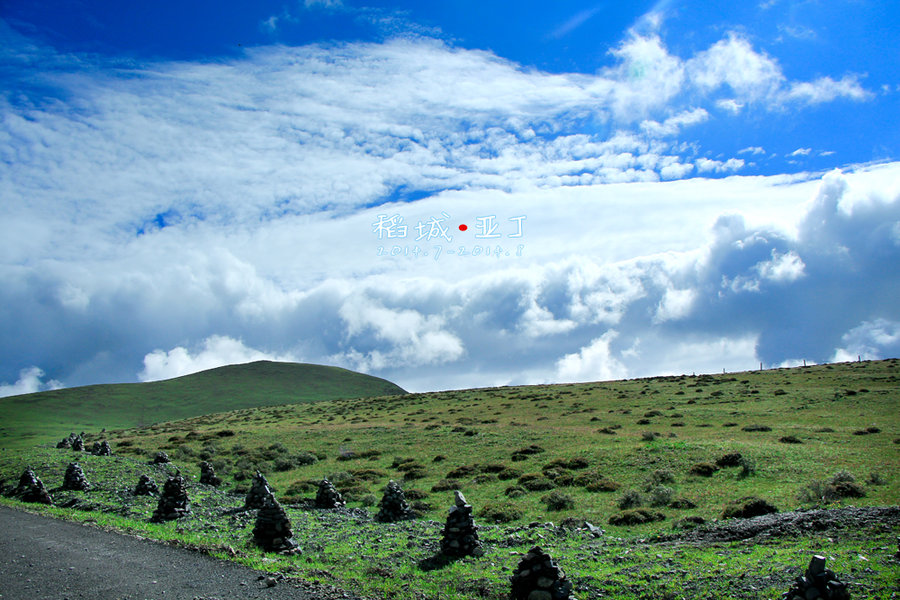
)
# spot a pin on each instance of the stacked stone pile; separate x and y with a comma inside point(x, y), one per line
point(328, 497)
point(174, 502)
point(539, 578)
point(161, 458)
point(393, 506)
point(67, 441)
point(74, 478)
point(460, 537)
point(78, 444)
point(258, 493)
point(31, 488)
point(101, 449)
point(818, 583)
point(146, 487)
point(272, 531)
point(208, 475)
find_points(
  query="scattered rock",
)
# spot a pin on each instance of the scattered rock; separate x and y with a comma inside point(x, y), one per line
point(460, 536)
point(328, 497)
point(74, 478)
point(818, 583)
point(208, 475)
point(393, 506)
point(146, 487)
point(539, 578)
point(174, 502)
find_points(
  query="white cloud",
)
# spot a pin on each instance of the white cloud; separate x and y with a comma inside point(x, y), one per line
point(675, 304)
point(216, 351)
point(870, 340)
point(782, 268)
point(752, 150)
point(29, 382)
point(733, 62)
point(801, 152)
point(707, 165)
point(730, 104)
point(826, 89)
point(594, 362)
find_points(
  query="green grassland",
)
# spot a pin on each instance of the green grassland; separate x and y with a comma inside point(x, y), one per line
point(527, 456)
point(38, 418)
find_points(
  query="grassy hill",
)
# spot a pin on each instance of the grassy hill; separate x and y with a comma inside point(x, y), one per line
point(43, 417)
point(528, 457)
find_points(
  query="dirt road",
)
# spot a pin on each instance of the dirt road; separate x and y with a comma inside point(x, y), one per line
point(47, 559)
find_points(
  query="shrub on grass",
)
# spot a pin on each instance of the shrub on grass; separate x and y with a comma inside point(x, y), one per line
point(463, 471)
point(790, 439)
point(492, 468)
point(304, 459)
point(368, 500)
point(660, 495)
point(446, 485)
point(747, 507)
point(703, 469)
point(636, 517)
point(682, 504)
point(285, 463)
point(501, 512)
point(649, 436)
point(756, 427)
point(841, 485)
point(509, 473)
point(875, 478)
point(414, 494)
point(748, 467)
point(630, 499)
point(439, 458)
point(536, 484)
point(732, 459)
point(557, 500)
point(603, 485)
point(484, 478)
point(689, 522)
point(515, 491)
point(661, 476)
point(607, 431)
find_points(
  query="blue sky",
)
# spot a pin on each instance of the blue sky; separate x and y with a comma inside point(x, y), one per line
point(646, 188)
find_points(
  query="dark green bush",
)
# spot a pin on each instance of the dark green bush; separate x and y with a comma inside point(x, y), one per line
point(748, 507)
point(636, 517)
point(703, 469)
point(501, 512)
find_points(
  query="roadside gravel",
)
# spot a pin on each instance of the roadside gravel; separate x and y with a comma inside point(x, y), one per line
point(48, 559)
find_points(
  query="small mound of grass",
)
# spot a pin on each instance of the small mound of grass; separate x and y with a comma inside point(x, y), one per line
point(703, 469)
point(748, 507)
point(636, 517)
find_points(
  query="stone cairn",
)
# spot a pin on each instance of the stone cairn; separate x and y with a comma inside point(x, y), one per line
point(78, 444)
point(161, 458)
point(258, 493)
point(101, 449)
point(146, 487)
point(174, 502)
point(208, 475)
point(67, 441)
point(272, 531)
point(31, 488)
point(74, 478)
point(818, 583)
point(460, 537)
point(393, 506)
point(539, 578)
point(328, 497)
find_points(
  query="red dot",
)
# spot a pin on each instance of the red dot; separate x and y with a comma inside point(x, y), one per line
point(463, 227)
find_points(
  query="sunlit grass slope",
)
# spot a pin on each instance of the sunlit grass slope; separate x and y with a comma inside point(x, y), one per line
point(512, 449)
point(48, 416)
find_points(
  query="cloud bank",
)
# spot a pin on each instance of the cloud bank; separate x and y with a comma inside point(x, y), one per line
point(164, 218)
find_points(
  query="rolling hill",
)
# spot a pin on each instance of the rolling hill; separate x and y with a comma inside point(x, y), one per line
point(43, 417)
